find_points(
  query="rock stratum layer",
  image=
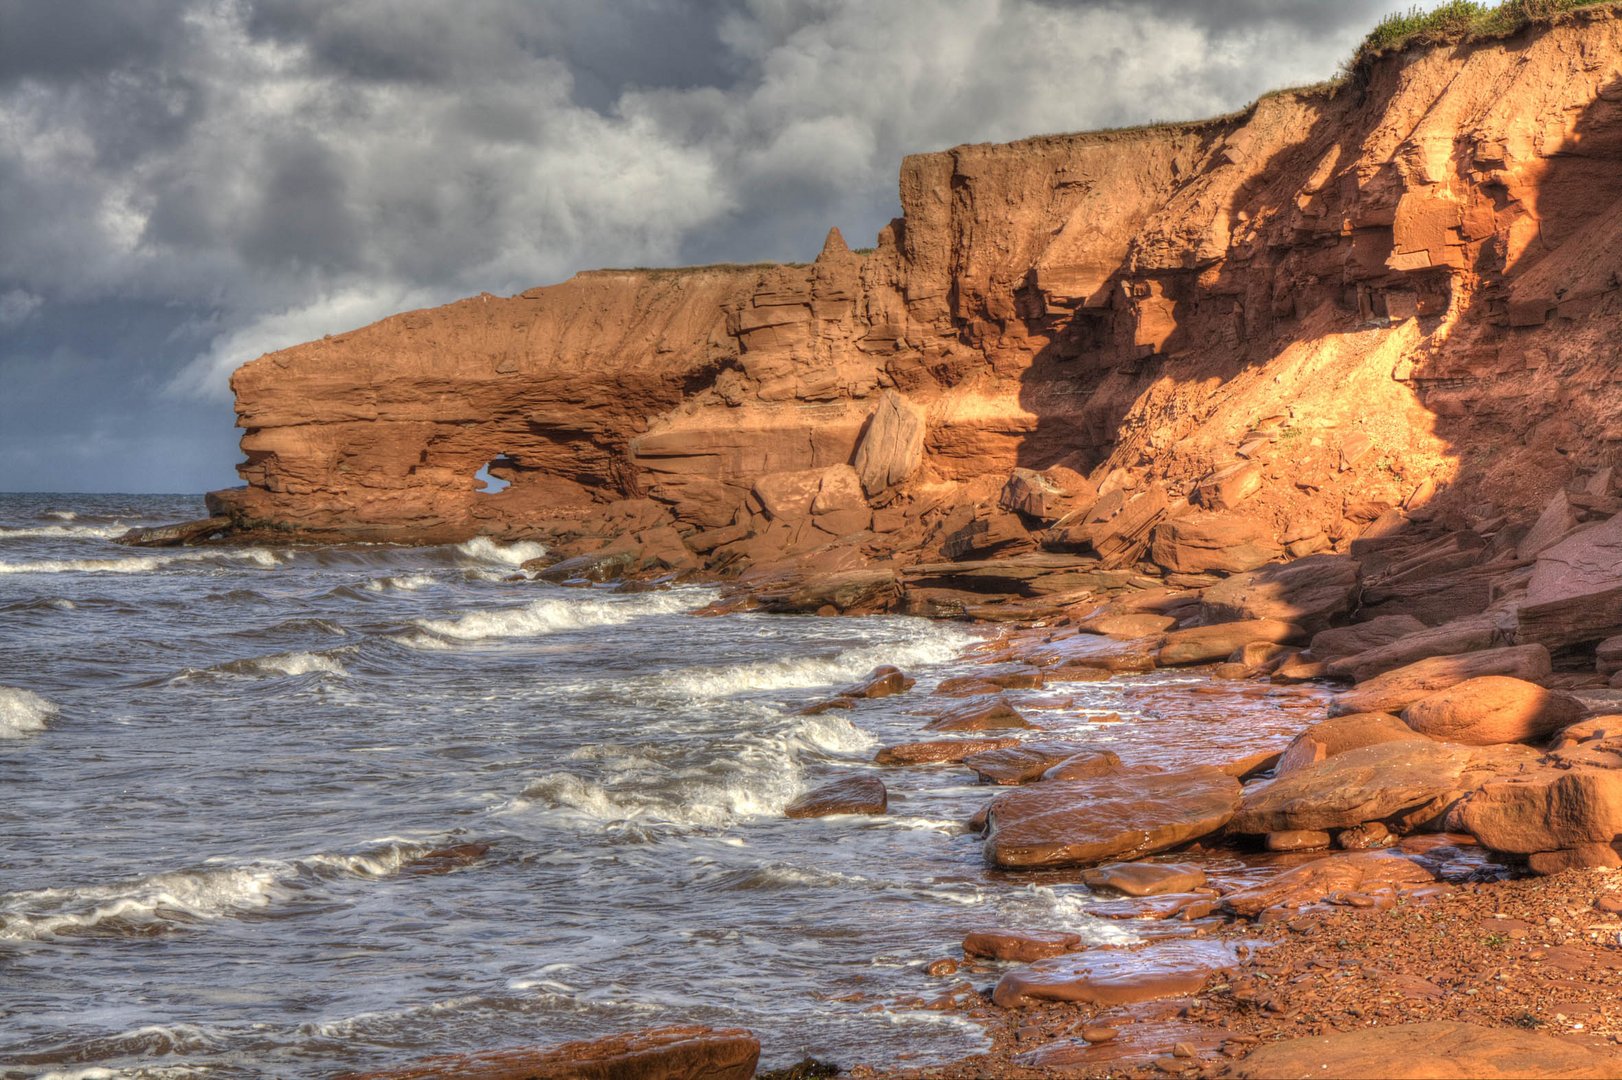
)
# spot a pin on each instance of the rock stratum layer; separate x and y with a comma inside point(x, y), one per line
point(1256, 334)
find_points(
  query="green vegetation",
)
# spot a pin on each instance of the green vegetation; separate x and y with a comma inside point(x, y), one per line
point(1459, 20)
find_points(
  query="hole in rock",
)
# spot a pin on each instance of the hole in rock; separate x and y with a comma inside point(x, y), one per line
point(493, 475)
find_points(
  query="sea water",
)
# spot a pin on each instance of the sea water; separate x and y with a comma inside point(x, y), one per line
point(221, 768)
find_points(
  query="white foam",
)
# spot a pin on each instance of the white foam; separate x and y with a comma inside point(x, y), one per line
point(551, 616)
point(60, 532)
point(22, 712)
point(138, 564)
point(207, 893)
point(289, 663)
point(834, 734)
point(935, 644)
point(700, 803)
point(402, 583)
point(61, 515)
point(484, 549)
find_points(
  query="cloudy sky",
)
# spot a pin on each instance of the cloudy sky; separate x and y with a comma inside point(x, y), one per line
point(186, 184)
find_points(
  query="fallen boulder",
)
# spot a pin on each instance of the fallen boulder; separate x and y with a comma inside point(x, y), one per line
point(1548, 809)
point(1575, 592)
point(1370, 783)
point(1492, 709)
point(1124, 815)
point(1202, 543)
point(852, 795)
point(1396, 690)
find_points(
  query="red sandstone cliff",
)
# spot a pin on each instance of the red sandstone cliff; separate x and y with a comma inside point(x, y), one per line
point(1264, 331)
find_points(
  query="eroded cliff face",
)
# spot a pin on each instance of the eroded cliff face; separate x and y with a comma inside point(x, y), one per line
point(1333, 308)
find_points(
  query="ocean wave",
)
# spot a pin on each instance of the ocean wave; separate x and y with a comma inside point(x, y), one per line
point(935, 645)
point(704, 803)
point(550, 616)
point(288, 663)
point(171, 900)
point(22, 712)
point(401, 582)
point(140, 564)
point(64, 532)
point(484, 549)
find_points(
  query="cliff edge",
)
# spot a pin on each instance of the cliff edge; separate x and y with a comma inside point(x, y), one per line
point(1339, 310)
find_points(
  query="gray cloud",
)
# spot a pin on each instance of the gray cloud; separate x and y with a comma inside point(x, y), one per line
point(247, 174)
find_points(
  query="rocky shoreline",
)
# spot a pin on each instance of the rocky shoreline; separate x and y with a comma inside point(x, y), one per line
point(1437, 846)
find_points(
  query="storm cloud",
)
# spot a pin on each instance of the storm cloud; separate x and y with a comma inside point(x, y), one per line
point(185, 184)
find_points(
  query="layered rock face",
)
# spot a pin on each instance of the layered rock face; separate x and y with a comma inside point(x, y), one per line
point(1333, 306)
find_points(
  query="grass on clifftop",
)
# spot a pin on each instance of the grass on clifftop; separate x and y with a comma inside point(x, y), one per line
point(1459, 20)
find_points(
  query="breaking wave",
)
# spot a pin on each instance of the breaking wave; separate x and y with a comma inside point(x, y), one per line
point(139, 564)
point(484, 549)
point(401, 582)
point(549, 616)
point(936, 645)
point(64, 532)
point(22, 712)
point(169, 901)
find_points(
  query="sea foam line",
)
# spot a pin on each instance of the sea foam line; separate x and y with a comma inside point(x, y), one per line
point(549, 616)
point(138, 564)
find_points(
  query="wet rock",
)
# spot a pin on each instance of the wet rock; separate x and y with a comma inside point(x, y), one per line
point(598, 566)
point(1470, 634)
point(1127, 627)
point(1365, 837)
point(1248, 765)
point(1123, 1052)
point(852, 795)
point(979, 714)
point(938, 751)
point(998, 676)
point(1492, 709)
point(1116, 977)
point(667, 1053)
point(881, 682)
point(444, 860)
point(1028, 761)
point(1200, 543)
point(1125, 815)
point(1084, 766)
point(1144, 879)
point(1025, 946)
point(1208, 644)
point(1370, 783)
point(1442, 1048)
point(860, 591)
point(187, 532)
point(1339, 734)
point(1396, 690)
point(1343, 641)
point(941, 968)
point(1314, 882)
point(1308, 592)
point(1089, 652)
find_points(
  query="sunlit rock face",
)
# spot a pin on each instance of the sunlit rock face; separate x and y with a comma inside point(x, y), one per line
point(1328, 307)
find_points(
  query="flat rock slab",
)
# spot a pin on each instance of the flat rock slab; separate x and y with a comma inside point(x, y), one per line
point(1208, 644)
point(1441, 1050)
point(1144, 879)
point(1127, 627)
point(1125, 815)
point(852, 795)
point(1370, 783)
point(1343, 641)
point(1116, 977)
point(940, 751)
point(1133, 1046)
point(1026, 762)
point(1471, 633)
point(989, 713)
point(668, 1053)
point(1092, 652)
point(1321, 879)
point(1025, 946)
point(1308, 592)
point(1010, 676)
point(1339, 734)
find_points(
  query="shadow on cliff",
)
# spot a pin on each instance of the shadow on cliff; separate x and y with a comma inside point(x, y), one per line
point(1489, 360)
